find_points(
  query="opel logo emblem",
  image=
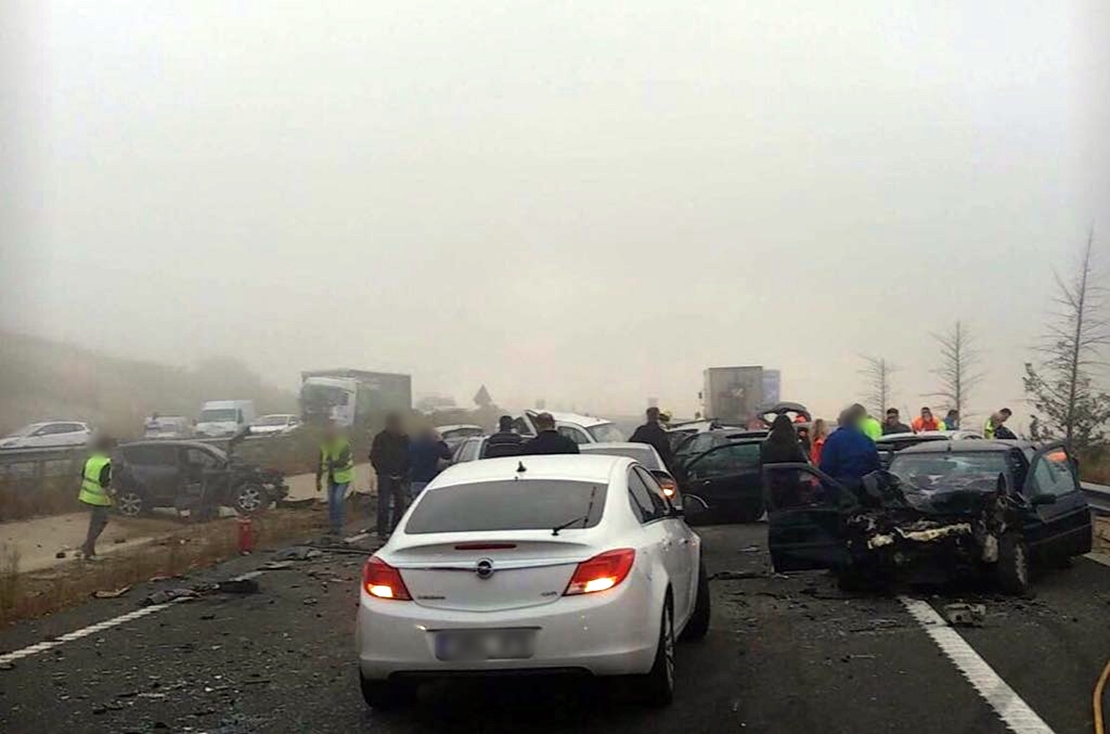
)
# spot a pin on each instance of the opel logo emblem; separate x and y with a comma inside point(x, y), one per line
point(484, 569)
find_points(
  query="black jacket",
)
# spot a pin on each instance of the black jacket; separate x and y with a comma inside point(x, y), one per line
point(549, 442)
point(654, 435)
point(389, 454)
point(896, 428)
point(503, 443)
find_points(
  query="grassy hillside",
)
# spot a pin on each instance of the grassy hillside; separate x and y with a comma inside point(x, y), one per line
point(41, 379)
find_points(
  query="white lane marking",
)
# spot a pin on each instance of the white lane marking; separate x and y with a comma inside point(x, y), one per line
point(116, 621)
point(1013, 711)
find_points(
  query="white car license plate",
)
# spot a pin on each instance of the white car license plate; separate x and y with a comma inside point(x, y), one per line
point(515, 644)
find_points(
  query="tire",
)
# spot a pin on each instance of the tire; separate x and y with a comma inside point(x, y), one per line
point(129, 504)
point(385, 695)
point(250, 498)
point(1012, 569)
point(698, 625)
point(658, 685)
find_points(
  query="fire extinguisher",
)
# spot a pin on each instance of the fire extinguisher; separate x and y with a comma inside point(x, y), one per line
point(246, 535)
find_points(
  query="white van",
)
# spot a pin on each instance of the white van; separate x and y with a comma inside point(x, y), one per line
point(222, 418)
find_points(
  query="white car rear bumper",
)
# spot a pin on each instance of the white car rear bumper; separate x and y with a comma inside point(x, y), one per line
point(609, 633)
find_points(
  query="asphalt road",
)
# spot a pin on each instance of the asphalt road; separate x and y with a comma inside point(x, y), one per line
point(783, 654)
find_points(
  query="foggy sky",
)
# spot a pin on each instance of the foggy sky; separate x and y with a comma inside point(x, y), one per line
point(584, 202)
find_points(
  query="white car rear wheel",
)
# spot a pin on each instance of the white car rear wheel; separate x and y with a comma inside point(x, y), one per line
point(659, 683)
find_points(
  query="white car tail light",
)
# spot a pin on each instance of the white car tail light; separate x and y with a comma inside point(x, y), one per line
point(383, 581)
point(601, 572)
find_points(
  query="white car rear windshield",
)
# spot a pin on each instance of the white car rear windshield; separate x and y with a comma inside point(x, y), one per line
point(526, 504)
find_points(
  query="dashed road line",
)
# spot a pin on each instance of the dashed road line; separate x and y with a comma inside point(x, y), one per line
point(45, 645)
point(1014, 712)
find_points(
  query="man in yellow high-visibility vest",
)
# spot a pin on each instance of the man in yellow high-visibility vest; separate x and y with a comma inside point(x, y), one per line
point(96, 480)
point(337, 465)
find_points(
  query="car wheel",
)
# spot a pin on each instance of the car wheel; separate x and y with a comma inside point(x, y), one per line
point(1012, 569)
point(250, 498)
point(385, 695)
point(658, 685)
point(129, 504)
point(698, 625)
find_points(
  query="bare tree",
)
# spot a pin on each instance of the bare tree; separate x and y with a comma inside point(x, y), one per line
point(877, 372)
point(1061, 387)
point(958, 370)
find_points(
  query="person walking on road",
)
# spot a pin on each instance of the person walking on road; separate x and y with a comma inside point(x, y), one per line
point(337, 464)
point(506, 442)
point(429, 455)
point(820, 435)
point(996, 422)
point(548, 440)
point(894, 423)
point(850, 455)
point(96, 481)
point(927, 421)
point(653, 434)
point(389, 454)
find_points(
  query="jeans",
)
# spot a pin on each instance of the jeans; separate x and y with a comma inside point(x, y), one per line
point(98, 520)
point(336, 494)
point(391, 490)
point(416, 488)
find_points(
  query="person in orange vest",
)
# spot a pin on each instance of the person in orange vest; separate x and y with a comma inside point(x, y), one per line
point(927, 422)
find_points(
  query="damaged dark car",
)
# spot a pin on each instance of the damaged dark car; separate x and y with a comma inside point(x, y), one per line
point(944, 509)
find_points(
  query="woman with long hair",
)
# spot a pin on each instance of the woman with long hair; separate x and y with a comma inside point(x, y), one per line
point(817, 440)
point(781, 445)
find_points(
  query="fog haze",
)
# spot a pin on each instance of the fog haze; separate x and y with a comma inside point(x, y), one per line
point(579, 202)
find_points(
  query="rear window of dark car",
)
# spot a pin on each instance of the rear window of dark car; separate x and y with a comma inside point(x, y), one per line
point(526, 504)
point(150, 455)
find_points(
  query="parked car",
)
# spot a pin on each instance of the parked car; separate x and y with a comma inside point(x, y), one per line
point(648, 458)
point(49, 434)
point(190, 475)
point(959, 506)
point(698, 443)
point(275, 424)
point(453, 435)
point(168, 426)
point(540, 563)
point(725, 481)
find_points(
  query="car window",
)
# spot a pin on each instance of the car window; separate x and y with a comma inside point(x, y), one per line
point(698, 444)
point(947, 471)
point(1053, 474)
point(52, 429)
point(726, 460)
point(199, 457)
point(529, 504)
point(72, 428)
point(574, 434)
point(519, 426)
point(469, 450)
point(150, 455)
point(658, 499)
point(644, 506)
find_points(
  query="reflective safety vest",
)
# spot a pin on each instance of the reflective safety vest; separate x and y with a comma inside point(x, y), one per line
point(988, 428)
point(871, 428)
point(336, 461)
point(92, 492)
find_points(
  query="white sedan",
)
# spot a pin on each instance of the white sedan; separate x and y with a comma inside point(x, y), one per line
point(551, 563)
point(50, 434)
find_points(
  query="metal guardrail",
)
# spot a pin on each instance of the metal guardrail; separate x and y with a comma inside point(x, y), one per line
point(1098, 497)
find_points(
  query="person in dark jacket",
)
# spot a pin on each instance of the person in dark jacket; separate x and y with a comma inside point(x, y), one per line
point(781, 447)
point(548, 440)
point(653, 434)
point(849, 454)
point(429, 454)
point(505, 442)
point(389, 454)
point(894, 424)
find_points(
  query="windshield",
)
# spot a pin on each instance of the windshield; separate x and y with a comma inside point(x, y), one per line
point(644, 454)
point(946, 471)
point(218, 415)
point(272, 420)
point(606, 433)
point(25, 431)
point(527, 504)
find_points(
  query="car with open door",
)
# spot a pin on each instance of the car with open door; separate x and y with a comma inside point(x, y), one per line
point(954, 507)
point(725, 481)
point(698, 443)
point(533, 564)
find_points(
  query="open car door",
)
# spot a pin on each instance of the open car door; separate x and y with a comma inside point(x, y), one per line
point(1058, 520)
point(806, 518)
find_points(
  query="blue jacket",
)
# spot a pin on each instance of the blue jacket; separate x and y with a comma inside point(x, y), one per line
point(849, 455)
point(425, 455)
